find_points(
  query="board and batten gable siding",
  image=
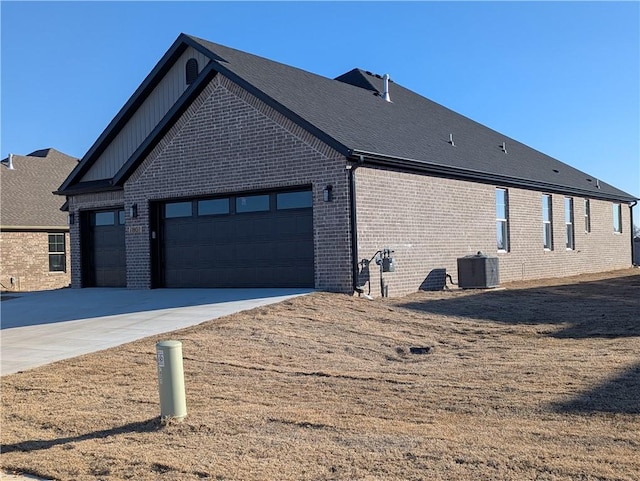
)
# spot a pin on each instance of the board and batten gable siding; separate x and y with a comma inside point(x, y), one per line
point(150, 113)
point(430, 222)
point(230, 142)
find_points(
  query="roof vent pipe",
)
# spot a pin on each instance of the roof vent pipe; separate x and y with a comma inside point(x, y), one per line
point(10, 162)
point(385, 87)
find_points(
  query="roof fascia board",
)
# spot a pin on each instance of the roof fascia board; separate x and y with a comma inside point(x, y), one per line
point(256, 92)
point(127, 111)
point(92, 186)
point(33, 228)
point(170, 118)
point(363, 157)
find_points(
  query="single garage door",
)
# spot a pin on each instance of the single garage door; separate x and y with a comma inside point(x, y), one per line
point(258, 240)
point(104, 249)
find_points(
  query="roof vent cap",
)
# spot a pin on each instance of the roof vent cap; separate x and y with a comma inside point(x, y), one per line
point(385, 87)
point(9, 163)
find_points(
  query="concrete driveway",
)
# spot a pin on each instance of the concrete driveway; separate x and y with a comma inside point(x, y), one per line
point(42, 327)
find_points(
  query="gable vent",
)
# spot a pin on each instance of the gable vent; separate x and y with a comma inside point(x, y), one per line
point(191, 70)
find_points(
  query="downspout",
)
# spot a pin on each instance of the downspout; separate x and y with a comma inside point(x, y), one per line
point(631, 206)
point(354, 225)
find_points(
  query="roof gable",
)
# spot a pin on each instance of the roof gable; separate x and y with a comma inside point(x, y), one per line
point(27, 198)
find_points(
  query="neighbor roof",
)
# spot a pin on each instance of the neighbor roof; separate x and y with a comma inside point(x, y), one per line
point(27, 199)
point(348, 113)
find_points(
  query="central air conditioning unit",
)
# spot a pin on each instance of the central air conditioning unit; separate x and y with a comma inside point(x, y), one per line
point(478, 271)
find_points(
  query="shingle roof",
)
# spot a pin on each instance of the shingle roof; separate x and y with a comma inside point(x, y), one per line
point(349, 114)
point(411, 128)
point(26, 192)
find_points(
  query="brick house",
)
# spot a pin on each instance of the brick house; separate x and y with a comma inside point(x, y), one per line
point(225, 169)
point(34, 235)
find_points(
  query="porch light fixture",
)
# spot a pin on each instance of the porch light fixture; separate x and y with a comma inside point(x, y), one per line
point(71, 218)
point(327, 193)
point(133, 211)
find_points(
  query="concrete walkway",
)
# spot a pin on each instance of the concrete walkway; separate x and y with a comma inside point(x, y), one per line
point(42, 327)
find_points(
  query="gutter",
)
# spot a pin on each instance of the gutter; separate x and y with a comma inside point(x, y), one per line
point(472, 175)
point(49, 228)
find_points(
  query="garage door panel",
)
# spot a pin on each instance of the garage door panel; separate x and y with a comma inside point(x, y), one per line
point(249, 249)
point(180, 232)
point(104, 248)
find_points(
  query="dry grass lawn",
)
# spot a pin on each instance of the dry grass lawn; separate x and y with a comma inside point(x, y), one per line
point(538, 381)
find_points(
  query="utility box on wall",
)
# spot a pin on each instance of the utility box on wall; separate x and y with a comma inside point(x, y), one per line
point(478, 271)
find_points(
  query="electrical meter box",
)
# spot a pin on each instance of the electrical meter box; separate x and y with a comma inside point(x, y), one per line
point(388, 265)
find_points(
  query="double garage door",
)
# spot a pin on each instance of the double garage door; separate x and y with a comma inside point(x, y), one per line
point(257, 240)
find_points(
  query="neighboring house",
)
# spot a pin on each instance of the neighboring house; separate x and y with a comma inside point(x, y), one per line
point(34, 235)
point(225, 169)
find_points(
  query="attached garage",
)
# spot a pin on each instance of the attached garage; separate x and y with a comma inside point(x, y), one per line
point(103, 248)
point(252, 240)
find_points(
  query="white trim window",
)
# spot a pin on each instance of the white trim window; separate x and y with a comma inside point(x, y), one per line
point(502, 220)
point(568, 222)
point(587, 216)
point(57, 253)
point(547, 219)
point(617, 218)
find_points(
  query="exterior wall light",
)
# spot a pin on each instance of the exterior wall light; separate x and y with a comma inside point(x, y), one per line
point(71, 218)
point(133, 211)
point(327, 193)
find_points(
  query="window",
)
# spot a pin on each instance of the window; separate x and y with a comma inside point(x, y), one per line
point(252, 203)
point(178, 209)
point(57, 254)
point(213, 207)
point(105, 218)
point(294, 200)
point(191, 70)
point(587, 216)
point(568, 222)
point(547, 231)
point(617, 218)
point(502, 220)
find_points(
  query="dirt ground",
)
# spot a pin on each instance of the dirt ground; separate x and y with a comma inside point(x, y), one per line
point(535, 381)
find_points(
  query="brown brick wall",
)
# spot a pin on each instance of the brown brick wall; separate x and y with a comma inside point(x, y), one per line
point(430, 222)
point(24, 256)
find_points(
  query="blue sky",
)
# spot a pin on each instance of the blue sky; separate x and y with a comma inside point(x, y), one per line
point(561, 77)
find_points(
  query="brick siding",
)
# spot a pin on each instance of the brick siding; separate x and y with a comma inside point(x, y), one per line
point(430, 222)
point(25, 259)
point(229, 142)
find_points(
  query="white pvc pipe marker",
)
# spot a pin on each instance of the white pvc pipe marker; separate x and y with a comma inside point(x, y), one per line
point(173, 403)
